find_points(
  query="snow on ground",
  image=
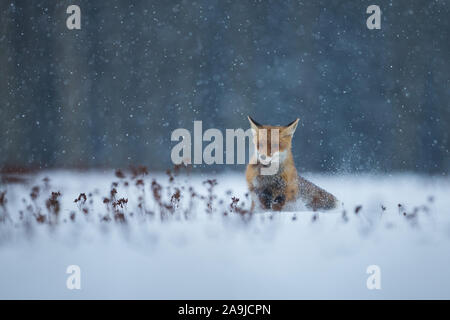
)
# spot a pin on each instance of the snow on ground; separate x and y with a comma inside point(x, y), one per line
point(211, 256)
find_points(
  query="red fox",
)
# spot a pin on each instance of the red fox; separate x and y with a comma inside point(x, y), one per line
point(282, 189)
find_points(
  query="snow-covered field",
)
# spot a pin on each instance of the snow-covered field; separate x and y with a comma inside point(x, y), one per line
point(192, 251)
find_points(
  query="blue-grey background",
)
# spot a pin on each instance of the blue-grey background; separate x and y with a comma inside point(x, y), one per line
point(110, 94)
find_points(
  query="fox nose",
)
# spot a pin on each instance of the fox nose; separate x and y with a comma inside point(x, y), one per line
point(265, 160)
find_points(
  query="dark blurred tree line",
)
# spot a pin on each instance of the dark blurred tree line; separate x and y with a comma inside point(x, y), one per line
point(110, 94)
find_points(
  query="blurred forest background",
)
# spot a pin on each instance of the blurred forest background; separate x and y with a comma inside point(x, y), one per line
point(110, 94)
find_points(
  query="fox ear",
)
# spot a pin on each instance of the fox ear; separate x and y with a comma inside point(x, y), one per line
point(290, 128)
point(255, 125)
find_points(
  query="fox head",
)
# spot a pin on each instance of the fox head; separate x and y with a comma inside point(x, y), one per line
point(273, 143)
